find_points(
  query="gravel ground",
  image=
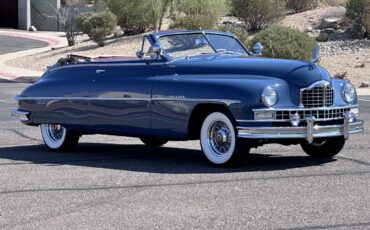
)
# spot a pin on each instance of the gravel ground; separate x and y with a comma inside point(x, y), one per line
point(340, 56)
point(351, 58)
point(303, 21)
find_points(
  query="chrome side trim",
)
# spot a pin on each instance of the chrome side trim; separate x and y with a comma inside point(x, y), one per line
point(19, 115)
point(78, 98)
point(299, 132)
point(226, 101)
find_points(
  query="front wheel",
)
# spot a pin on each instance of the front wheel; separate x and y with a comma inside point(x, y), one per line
point(219, 140)
point(324, 148)
point(58, 138)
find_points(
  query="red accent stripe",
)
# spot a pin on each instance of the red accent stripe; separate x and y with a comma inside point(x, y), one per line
point(8, 75)
point(50, 41)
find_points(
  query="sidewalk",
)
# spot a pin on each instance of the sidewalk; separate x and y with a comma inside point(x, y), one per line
point(54, 39)
point(363, 91)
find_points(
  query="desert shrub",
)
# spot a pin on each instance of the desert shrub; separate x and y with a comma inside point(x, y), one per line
point(99, 25)
point(283, 42)
point(359, 12)
point(302, 5)
point(211, 8)
point(240, 33)
point(193, 22)
point(67, 17)
point(81, 19)
point(134, 17)
point(258, 13)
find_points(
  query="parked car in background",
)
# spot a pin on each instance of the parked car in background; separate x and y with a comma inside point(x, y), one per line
point(189, 85)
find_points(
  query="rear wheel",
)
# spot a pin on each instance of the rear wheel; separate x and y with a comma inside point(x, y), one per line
point(153, 142)
point(324, 148)
point(219, 140)
point(58, 138)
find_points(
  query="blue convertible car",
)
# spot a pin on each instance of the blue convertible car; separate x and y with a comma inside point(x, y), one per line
point(188, 85)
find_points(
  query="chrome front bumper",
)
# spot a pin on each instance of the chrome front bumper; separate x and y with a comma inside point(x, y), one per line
point(308, 132)
point(19, 115)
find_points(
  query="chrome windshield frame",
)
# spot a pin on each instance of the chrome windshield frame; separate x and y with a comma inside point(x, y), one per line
point(204, 33)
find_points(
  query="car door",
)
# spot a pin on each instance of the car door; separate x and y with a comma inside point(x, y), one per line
point(120, 97)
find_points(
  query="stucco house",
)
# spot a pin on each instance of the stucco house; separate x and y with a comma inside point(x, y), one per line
point(21, 14)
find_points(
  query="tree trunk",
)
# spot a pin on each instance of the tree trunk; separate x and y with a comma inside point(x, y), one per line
point(71, 42)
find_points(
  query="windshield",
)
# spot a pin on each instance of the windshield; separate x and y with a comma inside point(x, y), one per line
point(187, 45)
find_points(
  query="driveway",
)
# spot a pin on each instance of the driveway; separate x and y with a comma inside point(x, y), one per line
point(10, 44)
point(113, 182)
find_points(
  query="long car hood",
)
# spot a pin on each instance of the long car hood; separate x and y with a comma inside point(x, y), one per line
point(299, 73)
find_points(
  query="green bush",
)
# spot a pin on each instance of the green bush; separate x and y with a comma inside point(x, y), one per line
point(134, 17)
point(302, 5)
point(211, 8)
point(283, 42)
point(258, 13)
point(240, 33)
point(99, 25)
point(81, 19)
point(193, 22)
point(359, 12)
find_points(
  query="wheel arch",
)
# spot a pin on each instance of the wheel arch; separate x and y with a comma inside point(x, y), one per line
point(200, 112)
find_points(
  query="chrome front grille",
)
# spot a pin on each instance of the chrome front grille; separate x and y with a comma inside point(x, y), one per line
point(319, 96)
point(319, 114)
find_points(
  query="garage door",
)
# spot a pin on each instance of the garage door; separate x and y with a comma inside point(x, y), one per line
point(9, 13)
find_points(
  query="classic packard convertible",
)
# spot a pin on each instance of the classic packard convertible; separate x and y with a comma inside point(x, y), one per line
point(189, 85)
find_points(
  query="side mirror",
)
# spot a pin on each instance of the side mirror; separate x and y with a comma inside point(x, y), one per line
point(257, 49)
point(157, 49)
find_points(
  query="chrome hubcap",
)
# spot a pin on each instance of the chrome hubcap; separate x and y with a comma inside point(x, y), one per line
point(219, 137)
point(55, 132)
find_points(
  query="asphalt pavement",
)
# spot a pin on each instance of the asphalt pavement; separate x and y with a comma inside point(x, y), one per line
point(117, 183)
point(10, 44)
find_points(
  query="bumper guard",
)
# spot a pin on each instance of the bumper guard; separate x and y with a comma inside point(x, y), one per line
point(19, 115)
point(308, 132)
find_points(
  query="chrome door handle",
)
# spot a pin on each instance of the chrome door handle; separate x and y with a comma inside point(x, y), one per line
point(99, 71)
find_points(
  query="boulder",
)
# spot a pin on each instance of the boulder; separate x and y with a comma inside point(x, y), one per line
point(329, 30)
point(32, 29)
point(331, 23)
point(309, 29)
point(323, 37)
point(365, 84)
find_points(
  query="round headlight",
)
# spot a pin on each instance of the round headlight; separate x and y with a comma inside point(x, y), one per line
point(349, 93)
point(269, 96)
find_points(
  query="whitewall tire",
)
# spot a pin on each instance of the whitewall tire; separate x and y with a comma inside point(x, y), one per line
point(58, 138)
point(219, 140)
